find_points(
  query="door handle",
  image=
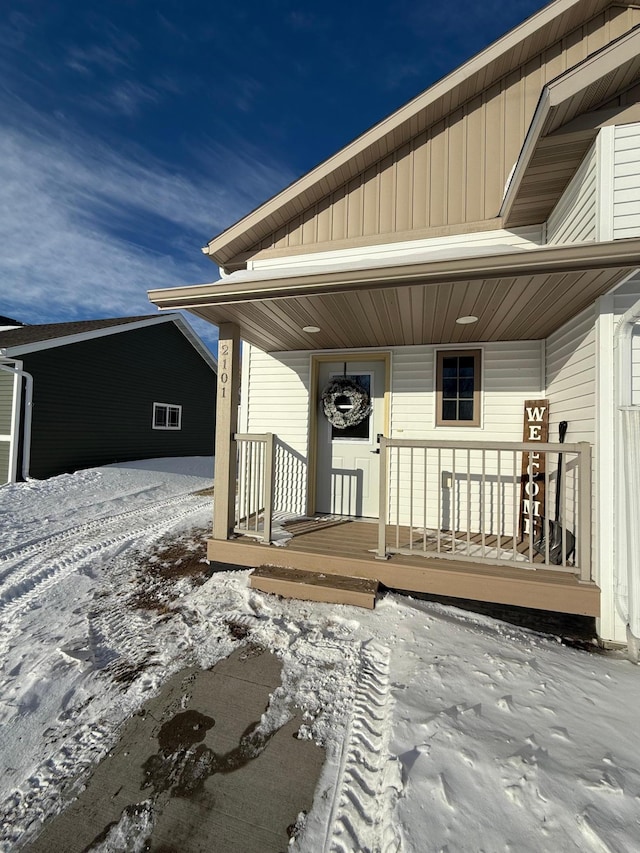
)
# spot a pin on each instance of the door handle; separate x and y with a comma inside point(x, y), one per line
point(375, 451)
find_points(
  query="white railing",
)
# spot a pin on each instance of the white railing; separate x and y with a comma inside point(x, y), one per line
point(254, 499)
point(474, 502)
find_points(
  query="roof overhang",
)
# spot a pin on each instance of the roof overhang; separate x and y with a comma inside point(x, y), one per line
point(516, 295)
point(566, 121)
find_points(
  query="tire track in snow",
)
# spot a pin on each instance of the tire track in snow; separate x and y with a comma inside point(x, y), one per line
point(13, 556)
point(122, 647)
point(40, 798)
point(31, 579)
point(367, 785)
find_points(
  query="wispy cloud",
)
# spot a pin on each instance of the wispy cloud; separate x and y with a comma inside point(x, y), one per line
point(111, 50)
point(87, 229)
point(104, 57)
point(126, 98)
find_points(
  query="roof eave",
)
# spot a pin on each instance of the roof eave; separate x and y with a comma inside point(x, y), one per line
point(546, 259)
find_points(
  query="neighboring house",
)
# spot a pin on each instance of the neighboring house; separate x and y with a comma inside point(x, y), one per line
point(475, 251)
point(93, 392)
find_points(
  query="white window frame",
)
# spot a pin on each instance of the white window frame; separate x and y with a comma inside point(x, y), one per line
point(167, 407)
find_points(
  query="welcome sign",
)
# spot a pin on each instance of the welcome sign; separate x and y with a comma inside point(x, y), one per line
point(532, 497)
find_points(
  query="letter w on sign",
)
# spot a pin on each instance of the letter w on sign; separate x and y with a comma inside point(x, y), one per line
point(532, 498)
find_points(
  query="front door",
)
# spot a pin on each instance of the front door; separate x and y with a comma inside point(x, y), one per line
point(348, 466)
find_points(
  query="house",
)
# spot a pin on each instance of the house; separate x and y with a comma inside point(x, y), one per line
point(93, 392)
point(471, 267)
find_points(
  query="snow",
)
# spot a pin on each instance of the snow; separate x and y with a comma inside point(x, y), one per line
point(444, 730)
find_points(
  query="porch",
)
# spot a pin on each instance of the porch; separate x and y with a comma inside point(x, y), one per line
point(460, 520)
point(349, 547)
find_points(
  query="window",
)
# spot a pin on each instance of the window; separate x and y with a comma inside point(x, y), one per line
point(458, 388)
point(167, 416)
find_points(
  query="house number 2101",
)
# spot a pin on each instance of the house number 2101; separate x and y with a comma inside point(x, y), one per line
point(224, 376)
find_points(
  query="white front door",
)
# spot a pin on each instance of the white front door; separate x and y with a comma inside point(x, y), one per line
point(348, 466)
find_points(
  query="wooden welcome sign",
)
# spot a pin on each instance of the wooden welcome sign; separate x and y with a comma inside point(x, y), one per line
point(532, 497)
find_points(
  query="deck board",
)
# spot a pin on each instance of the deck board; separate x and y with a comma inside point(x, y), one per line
point(315, 586)
point(349, 549)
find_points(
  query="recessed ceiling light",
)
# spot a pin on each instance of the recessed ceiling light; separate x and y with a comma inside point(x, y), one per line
point(465, 321)
point(311, 329)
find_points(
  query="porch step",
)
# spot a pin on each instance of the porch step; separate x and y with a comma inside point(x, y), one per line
point(315, 586)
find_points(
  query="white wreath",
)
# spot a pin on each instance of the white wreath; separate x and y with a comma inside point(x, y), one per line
point(345, 415)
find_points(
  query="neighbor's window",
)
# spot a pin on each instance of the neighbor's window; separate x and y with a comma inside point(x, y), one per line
point(167, 416)
point(458, 388)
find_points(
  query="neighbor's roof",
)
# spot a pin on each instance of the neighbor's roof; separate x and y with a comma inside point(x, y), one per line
point(475, 76)
point(32, 338)
point(8, 321)
point(31, 334)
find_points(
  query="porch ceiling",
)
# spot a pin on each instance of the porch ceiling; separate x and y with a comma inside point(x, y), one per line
point(520, 295)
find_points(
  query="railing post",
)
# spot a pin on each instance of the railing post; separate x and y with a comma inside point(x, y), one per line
point(269, 462)
point(585, 512)
point(383, 507)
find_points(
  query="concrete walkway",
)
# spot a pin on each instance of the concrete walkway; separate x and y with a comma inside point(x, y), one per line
point(190, 775)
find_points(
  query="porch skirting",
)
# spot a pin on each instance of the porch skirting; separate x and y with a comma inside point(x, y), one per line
point(347, 549)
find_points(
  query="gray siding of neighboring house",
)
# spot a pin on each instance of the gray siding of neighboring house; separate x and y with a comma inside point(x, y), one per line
point(93, 400)
point(6, 409)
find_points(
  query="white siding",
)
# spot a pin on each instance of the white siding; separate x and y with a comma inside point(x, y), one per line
point(626, 182)
point(573, 220)
point(276, 399)
point(522, 238)
point(571, 377)
point(624, 298)
point(571, 391)
point(635, 393)
point(511, 374)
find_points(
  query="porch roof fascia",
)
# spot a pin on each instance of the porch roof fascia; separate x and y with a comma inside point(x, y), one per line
point(253, 286)
point(570, 85)
point(475, 76)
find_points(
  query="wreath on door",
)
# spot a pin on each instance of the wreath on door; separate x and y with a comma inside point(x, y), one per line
point(345, 402)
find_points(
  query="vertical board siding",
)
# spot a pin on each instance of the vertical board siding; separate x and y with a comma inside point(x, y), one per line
point(573, 220)
point(454, 171)
point(626, 181)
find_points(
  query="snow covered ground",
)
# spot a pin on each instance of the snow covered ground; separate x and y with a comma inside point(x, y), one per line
point(444, 730)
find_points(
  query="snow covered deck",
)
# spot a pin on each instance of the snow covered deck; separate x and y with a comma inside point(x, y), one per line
point(348, 547)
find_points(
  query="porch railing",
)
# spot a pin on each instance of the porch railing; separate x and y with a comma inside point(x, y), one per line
point(475, 502)
point(255, 478)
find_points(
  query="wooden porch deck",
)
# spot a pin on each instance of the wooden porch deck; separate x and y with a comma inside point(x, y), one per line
point(347, 548)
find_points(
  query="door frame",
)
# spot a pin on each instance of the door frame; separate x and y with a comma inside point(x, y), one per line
point(316, 361)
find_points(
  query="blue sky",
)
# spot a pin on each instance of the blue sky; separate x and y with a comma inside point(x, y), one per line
point(133, 132)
